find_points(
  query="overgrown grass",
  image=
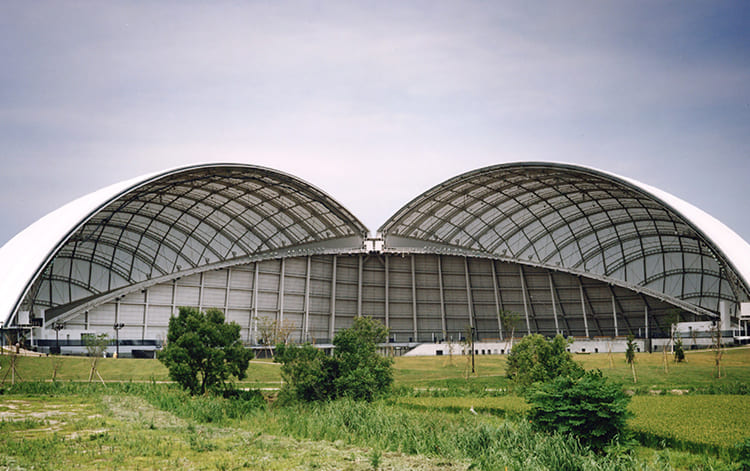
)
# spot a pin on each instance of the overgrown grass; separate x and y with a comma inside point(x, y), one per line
point(700, 424)
point(167, 397)
point(488, 442)
point(504, 406)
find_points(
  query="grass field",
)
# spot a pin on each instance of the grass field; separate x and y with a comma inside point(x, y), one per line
point(134, 422)
point(697, 373)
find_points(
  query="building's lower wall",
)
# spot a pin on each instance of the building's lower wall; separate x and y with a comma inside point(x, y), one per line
point(421, 298)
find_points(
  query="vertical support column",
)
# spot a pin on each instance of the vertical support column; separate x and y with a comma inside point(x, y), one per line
point(200, 295)
point(174, 296)
point(280, 301)
point(525, 303)
point(332, 319)
point(469, 301)
point(253, 326)
point(359, 288)
point(554, 304)
point(583, 307)
point(144, 332)
point(306, 329)
point(226, 293)
point(443, 324)
point(117, 310)
point(387, 294)
point(645, 323)
point(497, 299)
point(86, 320)
point(614, 315)
point(414, 297)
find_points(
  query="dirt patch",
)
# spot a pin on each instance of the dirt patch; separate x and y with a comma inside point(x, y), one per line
point(136, 410)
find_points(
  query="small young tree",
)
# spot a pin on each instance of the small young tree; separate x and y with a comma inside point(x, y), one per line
point(536, 358)
point(96, 345)
point(717, 347)
point(508, 321)
point(202, 351)
point(679, 352)
point(273, 332)
point(630, 356)
point(589, 407)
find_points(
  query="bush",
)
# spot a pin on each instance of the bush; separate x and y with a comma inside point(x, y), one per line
point(356, 370)
point(589, 407)
point(679, 351)
point(361, 373)
point(203, 351)
point(536, 358)
point(307, 371)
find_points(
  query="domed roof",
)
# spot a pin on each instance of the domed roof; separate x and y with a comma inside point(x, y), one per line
point(580, 220)
point(162, 224)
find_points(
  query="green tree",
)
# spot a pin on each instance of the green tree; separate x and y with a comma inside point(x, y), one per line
point(308, 373)
point(203, 351)
point(536, 358)
point(679, 351)
point(589, 407)
point(361, 372)
point(96, 345)
point(355, 370)
point(630, 356)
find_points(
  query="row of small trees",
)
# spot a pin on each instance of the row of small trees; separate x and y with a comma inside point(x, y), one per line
point(203, 352)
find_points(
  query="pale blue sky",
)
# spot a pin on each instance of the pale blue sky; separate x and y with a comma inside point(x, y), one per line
point(373, 102)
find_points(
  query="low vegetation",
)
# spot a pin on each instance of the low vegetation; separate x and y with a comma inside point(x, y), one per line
point(437, 418)
point(355, 370)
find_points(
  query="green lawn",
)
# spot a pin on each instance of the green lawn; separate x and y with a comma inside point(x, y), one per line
point(108, 430)
point(426, 372)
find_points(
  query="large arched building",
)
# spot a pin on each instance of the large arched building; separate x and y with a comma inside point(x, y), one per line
point(568, 249)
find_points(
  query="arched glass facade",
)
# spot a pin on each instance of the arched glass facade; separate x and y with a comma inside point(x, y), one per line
point(570, 249)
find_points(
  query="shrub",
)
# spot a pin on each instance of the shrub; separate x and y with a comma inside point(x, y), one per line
point(356, 370)
point(361, 373)
point(307, 371)
point(203, 351)
point(536, 358)
point(589, 407)
point(679, 351)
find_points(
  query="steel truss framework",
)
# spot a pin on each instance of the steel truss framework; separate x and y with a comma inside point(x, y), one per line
point(420, 297)
point(570, 249)
point(571, 219)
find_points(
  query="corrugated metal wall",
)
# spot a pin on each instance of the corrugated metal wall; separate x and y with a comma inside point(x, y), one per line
point(419, 297)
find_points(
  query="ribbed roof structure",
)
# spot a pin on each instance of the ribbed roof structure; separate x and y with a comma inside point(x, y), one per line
point(583, 221)
point(159, 226)
point(195, 219)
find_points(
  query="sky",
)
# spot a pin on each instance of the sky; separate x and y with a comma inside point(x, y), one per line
point(373, 102)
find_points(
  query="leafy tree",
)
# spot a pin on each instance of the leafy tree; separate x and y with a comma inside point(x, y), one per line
point(203, 351)
point(536, 358)
point(272, 332)
point(355, 370)
point(508, 322)
point(589, 407)
point(307, 371)
point(361, 372)
point(96, 345)
point(630, 356)
point(679, 352)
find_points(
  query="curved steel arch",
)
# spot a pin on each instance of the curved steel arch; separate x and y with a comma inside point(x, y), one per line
point(202, 215)
point(489, 211)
